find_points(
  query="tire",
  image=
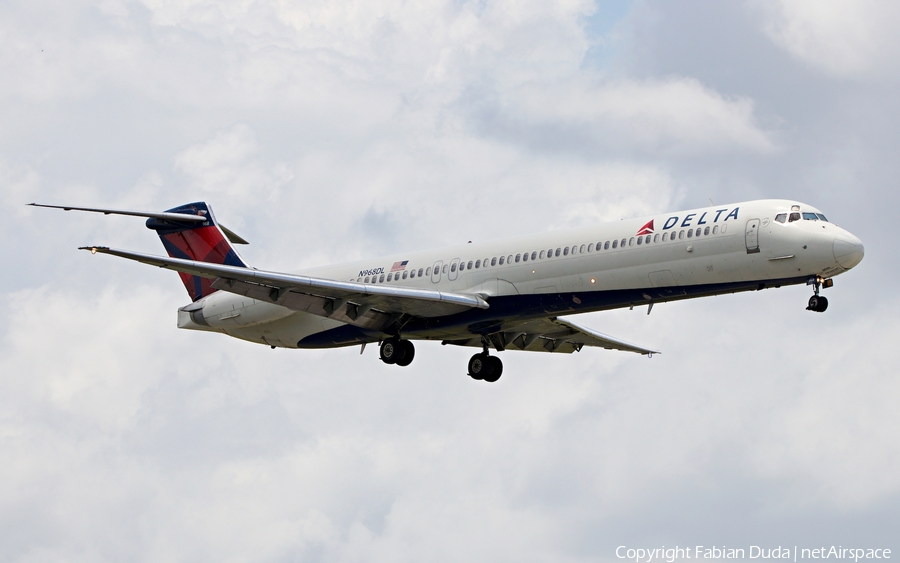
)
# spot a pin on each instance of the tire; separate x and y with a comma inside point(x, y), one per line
point(823, 304)
point(390, 351)
point(496, 369)
point(480, 366)
point(409, 352)
point(813, 304)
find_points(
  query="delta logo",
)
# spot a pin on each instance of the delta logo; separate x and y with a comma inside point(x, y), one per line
point(646, 229)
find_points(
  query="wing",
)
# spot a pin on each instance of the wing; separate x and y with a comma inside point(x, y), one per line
point(364, 305)
point(551, 334)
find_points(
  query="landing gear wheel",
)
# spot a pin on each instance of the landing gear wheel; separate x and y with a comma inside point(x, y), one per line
point(817, 303)
point(496, 369)
point(391, 351)
point(409, 352)
point(480, 366)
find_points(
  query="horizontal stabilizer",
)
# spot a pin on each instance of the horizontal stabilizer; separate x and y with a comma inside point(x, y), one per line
point(162, 216)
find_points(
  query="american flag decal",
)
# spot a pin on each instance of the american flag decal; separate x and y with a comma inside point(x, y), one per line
point(399, 266)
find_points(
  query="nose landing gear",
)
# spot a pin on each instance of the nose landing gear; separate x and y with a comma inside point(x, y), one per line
point(817, 302)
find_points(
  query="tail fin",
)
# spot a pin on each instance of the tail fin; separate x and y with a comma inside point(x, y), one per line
point(203, 242)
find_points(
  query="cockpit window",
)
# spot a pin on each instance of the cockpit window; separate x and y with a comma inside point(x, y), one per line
point(794, 217)
point(822, 217)
point(781, 217)
point(810, 217)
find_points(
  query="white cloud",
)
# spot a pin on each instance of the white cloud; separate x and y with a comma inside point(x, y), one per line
point(845, 38)
point(337, 131)
point(227, 167)
point(669, 116)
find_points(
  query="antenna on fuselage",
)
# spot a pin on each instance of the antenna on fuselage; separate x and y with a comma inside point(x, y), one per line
point(711, 204)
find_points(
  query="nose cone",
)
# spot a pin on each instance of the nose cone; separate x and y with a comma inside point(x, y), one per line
point(848, 250)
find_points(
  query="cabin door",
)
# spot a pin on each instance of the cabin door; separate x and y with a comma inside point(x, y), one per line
point(752, 236)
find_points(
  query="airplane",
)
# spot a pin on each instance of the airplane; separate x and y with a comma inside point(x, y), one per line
point(512, 294)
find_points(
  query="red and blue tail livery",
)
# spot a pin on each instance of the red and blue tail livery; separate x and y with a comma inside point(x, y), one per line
point(201, 242)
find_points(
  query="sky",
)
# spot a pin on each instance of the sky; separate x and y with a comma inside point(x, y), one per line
point(330, 131)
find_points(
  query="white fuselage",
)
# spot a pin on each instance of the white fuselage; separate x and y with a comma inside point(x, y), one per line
point(718, 249)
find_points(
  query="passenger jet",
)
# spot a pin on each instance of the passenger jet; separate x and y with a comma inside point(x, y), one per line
point(512, 294)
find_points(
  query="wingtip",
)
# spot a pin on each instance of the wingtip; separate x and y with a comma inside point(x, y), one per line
point(93, 249)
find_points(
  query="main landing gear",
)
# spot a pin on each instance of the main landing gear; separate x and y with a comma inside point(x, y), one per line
point(396, 351)
point(817, 302)
point(485, 367)
point(482, 367)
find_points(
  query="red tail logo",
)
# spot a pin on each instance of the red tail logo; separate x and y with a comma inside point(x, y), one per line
point(646, 229)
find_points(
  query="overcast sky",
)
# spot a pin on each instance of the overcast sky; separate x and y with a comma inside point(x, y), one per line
point(326, 131)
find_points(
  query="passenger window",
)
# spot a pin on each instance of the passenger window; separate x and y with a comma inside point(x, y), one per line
point(581, 249)
point(606, 245)
point(502, 260)
point(550, 253)
point(615, 244)
point(494, 261)
point(566, 251)
point(381, 278)
point(622, 244)
point(525, 257)
point(412, 274)
point(533, 255)
point(557, 252)
point(665, 237)
point(640, 240)
point(444, 269)
point(690, 233)
point(681, 234)
point(591, 247)
point(367, 279)
point(715, 229)
point(390, 276)
point(699, 230)
point(427, 274)
point(706, 231)
point(453, 267)
point(518, 257)
point(647, 239)
point(656, 237)
point(781, 217)
point(358, 279)
point(428, 271)
point(462, 266)
point(477, 264)
point(509, 259)
point(822, 217)
point(405, 274)
point(542, 254)
point(794, 217)
point(469, 265)
point(631, 241)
